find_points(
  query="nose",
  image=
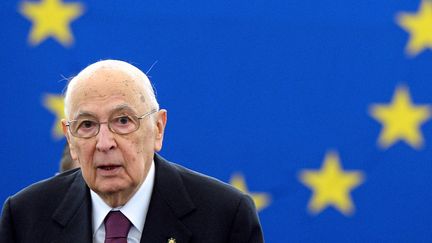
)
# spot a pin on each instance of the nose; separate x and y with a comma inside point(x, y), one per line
point(105, 139)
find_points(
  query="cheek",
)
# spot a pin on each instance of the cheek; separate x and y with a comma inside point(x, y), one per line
point(143, 142)
point(132, 152)
point(84, 152)
point(137, 151)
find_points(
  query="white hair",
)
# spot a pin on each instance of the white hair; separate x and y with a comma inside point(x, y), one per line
point(112, 64)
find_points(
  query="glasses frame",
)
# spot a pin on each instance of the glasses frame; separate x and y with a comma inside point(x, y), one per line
point(68, 124)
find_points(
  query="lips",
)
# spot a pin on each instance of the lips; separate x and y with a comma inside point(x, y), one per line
point(109, 170)
point(108, 167)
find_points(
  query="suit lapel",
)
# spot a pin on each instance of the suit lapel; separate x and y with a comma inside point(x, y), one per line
point(74, 214)
point(170, 202)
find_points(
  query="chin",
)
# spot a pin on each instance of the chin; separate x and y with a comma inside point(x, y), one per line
point(111, 188)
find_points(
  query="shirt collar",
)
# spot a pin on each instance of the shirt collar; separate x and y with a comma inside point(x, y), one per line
point(135, 209)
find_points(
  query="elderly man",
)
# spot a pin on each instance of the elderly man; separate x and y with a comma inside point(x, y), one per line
point(124, 191)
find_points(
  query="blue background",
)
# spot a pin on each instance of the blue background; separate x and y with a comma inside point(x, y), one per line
point(261, 88)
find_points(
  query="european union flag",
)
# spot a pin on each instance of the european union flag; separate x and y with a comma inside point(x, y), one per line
point(320, 110)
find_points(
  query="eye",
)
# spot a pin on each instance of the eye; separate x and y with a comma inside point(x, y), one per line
point(86, 124)
point(122, 120)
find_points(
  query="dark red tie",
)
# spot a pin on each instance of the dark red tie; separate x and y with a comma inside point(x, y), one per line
point(116, 227)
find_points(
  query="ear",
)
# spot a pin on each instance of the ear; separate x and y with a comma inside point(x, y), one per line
point(67, 135)
point(161, 121)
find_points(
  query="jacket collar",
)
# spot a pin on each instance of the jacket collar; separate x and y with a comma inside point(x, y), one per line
point(170, 202)
point(74, 213)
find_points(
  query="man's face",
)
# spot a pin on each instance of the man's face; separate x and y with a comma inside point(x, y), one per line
point(114, 165)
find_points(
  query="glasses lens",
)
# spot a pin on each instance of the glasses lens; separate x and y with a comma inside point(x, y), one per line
point(119, 123)
point(84, 128)
point(124, 124)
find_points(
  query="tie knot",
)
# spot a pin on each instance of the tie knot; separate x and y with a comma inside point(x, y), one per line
point(116, 225)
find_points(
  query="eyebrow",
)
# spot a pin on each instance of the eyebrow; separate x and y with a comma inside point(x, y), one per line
point(121, 107)
point(84, 113)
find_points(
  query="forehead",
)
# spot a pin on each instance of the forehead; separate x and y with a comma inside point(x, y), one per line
point(106, 89)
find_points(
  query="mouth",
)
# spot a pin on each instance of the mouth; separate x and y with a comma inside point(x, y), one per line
point(108, 167)
point(109, 170)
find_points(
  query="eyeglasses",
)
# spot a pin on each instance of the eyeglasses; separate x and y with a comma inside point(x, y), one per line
point(120, 124)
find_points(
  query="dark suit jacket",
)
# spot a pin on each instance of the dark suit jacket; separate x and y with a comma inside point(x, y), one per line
point(185, 205)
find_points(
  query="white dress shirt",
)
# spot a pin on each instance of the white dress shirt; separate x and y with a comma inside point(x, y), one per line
point(135, 210)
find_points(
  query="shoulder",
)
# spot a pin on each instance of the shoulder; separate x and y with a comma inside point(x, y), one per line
point(230, 213)
point(36, 212)
point(47, 192)
point(205, 192)
point(199, 184)
point(204, 184)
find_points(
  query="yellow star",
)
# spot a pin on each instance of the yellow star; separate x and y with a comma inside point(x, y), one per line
point(419, 26)
point(401, 120)
point(261, 200)
point(51, 18)
point(331, 185)
point(55, 104)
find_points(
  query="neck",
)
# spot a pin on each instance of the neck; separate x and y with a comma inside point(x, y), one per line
point(117, 199)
